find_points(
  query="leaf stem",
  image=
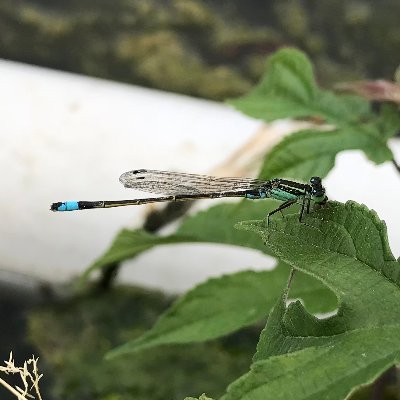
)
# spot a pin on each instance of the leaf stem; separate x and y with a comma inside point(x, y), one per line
point(289, 282)
point(396, 165)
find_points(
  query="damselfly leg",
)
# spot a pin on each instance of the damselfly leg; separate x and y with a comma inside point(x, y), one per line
point(286, 204)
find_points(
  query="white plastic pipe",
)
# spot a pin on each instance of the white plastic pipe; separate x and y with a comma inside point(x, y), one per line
point(68, 137)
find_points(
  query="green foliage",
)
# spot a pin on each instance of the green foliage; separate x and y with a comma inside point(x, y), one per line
point(200, 315)
point(223, 305)
point(72, 336)
point(340, 253)
point(129, 244)
point(288, 90)
point(212, 50)
point(346, 247)
point(207, 226)
point(329, 371)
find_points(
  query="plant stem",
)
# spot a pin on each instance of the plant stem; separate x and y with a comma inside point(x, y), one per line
point(289, 282)
point(12, 390)
point(155, 221)
point(396, 165)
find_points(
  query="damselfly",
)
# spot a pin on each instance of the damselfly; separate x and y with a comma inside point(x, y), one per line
point(177, 186)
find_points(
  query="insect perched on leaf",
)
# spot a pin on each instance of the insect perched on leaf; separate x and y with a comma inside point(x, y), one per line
point(177, 186)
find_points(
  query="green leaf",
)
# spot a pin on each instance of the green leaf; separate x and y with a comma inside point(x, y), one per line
point(288, 90)
point(212, 226)
point(346, 247)
point(222, 305)
point(310, 153)
point(329, 372)
point(129, 244)
point(215, 225)
point(388, 123)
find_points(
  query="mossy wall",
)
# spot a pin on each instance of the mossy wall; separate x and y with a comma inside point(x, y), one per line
point(207, 49)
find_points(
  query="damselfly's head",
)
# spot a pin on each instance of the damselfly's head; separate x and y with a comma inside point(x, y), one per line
point(317, 190)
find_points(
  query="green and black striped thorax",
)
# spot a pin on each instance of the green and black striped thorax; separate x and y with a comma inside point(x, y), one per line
point(287, 190)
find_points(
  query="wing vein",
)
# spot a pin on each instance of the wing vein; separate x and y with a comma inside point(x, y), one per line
point(173, 183)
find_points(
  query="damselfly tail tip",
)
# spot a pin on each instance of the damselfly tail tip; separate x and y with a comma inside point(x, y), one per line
point(56, 206)
point(65, 206)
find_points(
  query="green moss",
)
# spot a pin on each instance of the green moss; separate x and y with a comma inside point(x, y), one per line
point(73, 337)
point(161, 60)
point(179, 45)
point(46, 24)
point(221, 83)
point(357, 13)
point(397, 74)
point(227, 38)
point(293, 17)
point(192, 14)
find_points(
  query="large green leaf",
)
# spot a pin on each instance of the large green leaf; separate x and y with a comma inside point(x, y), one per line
point(129, 244)
point(329, 372)
point(388, 123)
point(214, 225)
point(310, 153)
point(346, 247)
point(216, 307)
point(225, 304)
point(288, 90)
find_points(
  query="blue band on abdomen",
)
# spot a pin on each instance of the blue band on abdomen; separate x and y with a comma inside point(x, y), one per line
point(69, 206)
point(261, 195)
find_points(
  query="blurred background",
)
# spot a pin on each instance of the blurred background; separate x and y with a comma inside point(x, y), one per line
point(206, 49)
point(90, 89)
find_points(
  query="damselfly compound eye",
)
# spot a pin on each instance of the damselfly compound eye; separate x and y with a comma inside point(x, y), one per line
point(315, 180)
